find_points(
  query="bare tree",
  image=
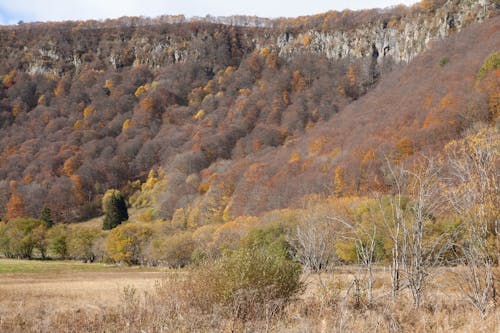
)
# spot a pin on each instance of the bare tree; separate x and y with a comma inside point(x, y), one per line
point(420, 257)
point(393, 221)
point(473, 192)
point(417, 197)
point(313, 240)
point(364, 237)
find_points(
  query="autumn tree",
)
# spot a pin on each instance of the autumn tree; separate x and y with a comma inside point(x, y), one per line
point(15, 207)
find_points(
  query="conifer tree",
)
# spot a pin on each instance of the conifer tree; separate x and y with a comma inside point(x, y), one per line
point(115, 209)
point(46, 217)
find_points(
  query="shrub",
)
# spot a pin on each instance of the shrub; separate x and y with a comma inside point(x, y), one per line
point(250, 279)
point(174, 251)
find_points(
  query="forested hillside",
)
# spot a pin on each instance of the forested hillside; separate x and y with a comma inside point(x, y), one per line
point(216, 121)
point(336, 172)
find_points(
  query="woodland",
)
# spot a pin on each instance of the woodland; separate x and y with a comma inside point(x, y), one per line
point(220, 154)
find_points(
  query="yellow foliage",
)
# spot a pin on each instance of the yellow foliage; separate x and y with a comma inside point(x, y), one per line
point(494, 104)
point(285, 96)
point(209, 87)
point(41, 100)
point(9, 79)
point(127, 242)
point(77, 125)
point(126, 125)
point(446, 101)
point(70, 166)
point(150, 181)
point(341, 90)
point(245, 92)
point(142, 90)
point(294, 157)
point(338, 181)
point(264, 52)
point(298, 82)
point(199, 114)
point(316, 146)
point(148, 103)
point(334, 153)
point(59, 88)
point(405, 146)
point(180, 218)
point(369, 157)
point(428, 101)
point(147, 216)
point(88, 111)
point(109, 84)
point(27, 179)
point(306, 39)
point(351, 76)
point(77, 185)
point(17, 109)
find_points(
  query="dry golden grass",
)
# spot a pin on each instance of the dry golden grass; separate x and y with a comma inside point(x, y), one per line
point(134, 300)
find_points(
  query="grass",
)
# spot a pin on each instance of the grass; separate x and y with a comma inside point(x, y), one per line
point(58, 296)
point(14, 266)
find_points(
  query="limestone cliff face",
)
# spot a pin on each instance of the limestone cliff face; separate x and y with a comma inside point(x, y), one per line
point(161, 44)
point(402, 39)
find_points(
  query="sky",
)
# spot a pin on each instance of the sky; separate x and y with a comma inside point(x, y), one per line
point(13, 11)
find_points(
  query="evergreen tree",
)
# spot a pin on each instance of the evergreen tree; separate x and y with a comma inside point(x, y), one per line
point(46, 217)
point(115, 209)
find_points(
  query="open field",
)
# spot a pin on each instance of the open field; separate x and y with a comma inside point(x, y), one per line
point(38, 287)
point(66, 296)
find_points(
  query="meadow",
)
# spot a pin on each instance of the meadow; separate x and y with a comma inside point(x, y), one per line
point(60, 296)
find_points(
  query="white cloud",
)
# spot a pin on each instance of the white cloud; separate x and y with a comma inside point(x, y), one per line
point(57, 10)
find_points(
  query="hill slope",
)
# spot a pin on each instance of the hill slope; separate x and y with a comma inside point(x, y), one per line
point(240, 120)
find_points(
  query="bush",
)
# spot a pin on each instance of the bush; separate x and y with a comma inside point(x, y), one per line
point(250, 279)
point(173, 251)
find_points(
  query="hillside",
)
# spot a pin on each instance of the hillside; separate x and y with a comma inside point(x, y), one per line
point(233, 120)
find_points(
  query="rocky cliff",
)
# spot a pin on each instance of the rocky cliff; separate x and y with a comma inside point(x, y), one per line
point(61, 47)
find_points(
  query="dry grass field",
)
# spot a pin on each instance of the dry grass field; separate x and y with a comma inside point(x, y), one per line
point(58, 296)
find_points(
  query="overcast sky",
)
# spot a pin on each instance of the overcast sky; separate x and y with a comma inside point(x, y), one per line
point(12, 11)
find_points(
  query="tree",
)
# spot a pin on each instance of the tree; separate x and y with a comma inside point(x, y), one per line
point(416, 200)
point(46, 216)
point(313, 240)
point(473, 192)
point(20, 236)
point(127, 243)
point(81, 244)
point(15, 207)
point(114, 208)
point(58, 240)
